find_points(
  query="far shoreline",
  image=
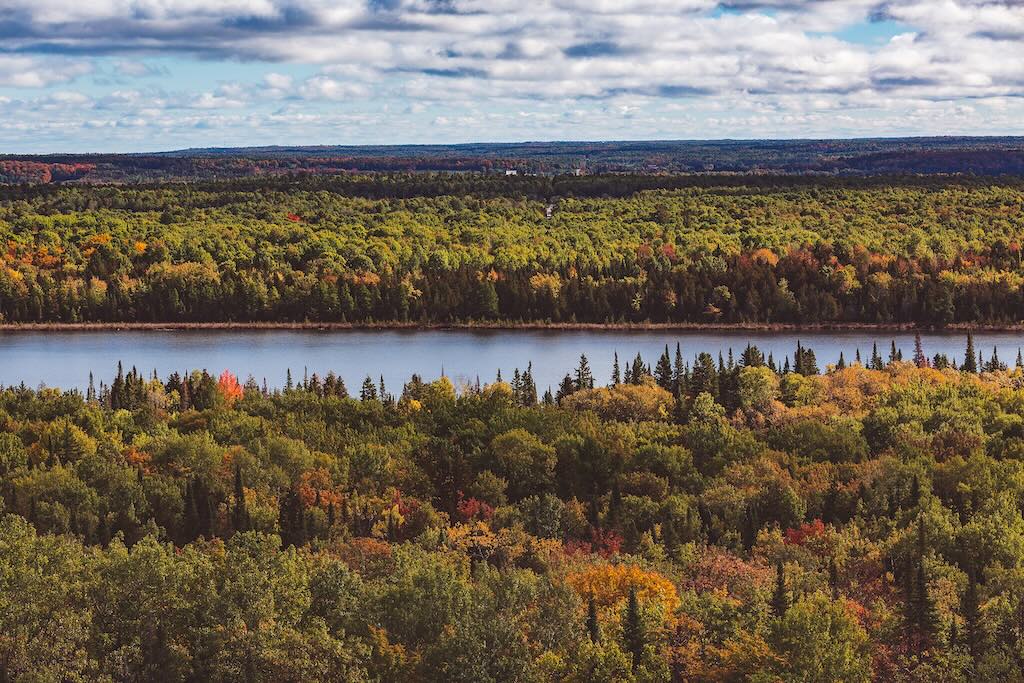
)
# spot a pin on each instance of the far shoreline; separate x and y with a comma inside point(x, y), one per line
point(499, 326)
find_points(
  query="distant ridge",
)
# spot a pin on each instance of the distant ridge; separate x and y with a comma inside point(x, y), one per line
point(866, 156)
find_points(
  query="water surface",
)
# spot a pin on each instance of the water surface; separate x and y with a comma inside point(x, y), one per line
point(64, 359)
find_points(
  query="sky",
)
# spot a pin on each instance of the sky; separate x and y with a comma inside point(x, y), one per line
point(149, 75)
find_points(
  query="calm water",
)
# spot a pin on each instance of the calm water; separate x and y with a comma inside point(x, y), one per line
point(64, 359)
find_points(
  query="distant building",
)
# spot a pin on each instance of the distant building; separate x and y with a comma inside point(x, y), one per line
point(511, 171)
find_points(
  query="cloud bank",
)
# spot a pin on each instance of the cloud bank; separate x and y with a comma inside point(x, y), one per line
point(339, 71)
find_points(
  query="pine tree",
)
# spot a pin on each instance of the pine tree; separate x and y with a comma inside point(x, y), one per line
point(876, 359)
point(616, 374)
point(970, 608)
point(584, 377)
point(240, 515)
point(368, 391)
point(593, 626)
point(632, 629)
point(638, 370)
point(922, 607)
point(920, 360)
point(1020, 359)
point(751, 357)
point(893, 354)
point(663, 371)
point(678, 372)
point(780, 596)
point(704, 377)
point(970, 356)
point(841, 365)
point(833, 577)
point(566, 388)
point(994, 364)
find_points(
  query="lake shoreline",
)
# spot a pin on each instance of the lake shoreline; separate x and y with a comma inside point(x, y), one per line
point(507, 326)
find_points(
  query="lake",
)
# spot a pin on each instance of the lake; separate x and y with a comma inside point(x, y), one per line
point(64, 359)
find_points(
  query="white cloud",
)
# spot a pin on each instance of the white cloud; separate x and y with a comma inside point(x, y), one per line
point(672, 67)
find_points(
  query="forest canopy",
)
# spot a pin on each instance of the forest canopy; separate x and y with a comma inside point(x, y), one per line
point(446, 248)
point(710, 521)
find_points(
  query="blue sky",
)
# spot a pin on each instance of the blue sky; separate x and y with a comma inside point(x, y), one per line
point(144, 75)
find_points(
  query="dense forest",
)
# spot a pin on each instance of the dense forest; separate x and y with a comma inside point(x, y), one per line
point(946, 155)
point(746, 518)
point(444, 248)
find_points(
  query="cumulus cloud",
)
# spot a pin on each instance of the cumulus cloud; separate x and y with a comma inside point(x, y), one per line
point(571, 48)
point(760, 62)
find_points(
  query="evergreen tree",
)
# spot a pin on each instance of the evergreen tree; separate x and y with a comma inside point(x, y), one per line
point(704, 377)
point(593, 626)
point(841, 364)
point(633, 629)
point(368, 392)
point(922, 606)
point(780, 595)
point(566, 388)
point(616, 374)
point(970, 356)
point(584, 378)
point(994, 364)
point(751, 357)
point(876, 359)
point(663, 371)
point(678, 372)
point(240, 515)
point(833, 577)
point(920, 360)
point(638, 370)
point(970, 609)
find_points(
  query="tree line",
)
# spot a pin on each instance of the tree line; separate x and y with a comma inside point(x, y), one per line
point(441, 249)
point(746, 518)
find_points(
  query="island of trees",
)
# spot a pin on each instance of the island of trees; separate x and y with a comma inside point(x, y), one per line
point(684, 518)
point(442, 249)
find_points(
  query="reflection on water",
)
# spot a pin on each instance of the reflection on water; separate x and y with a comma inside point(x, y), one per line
point(64, 359)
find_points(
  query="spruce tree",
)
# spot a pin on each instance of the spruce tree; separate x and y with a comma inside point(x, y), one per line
point(240, 515)
point(633, 629)
point(616, 373)
point(566, 388)
point(833, 577)
point(970, 609)
point(780, 596)
point(368, 392)
point(704, 377)
point(920, 360)
point(841, 364)
point(584, 377)
point(593, 626)
point(970, 356)
point(876, 359)
point(638, 370)
point(678, 371)
point(663, 371)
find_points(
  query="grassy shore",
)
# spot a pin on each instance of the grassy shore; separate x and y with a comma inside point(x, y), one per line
point(501, 325)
